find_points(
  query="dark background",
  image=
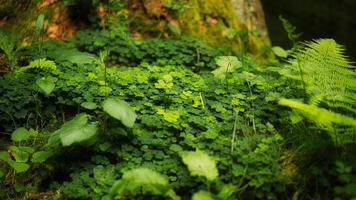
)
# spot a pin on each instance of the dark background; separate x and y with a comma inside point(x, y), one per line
point(315, 19)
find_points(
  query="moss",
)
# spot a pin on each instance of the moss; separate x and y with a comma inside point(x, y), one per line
point(209, 21)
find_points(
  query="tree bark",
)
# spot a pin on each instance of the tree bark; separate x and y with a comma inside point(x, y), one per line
point(235, 24)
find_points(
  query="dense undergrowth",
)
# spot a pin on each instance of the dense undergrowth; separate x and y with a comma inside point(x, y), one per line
point(105, 116)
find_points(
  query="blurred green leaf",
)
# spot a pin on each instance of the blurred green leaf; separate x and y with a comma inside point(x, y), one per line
point(89, 105)
point(203, 195)
point(39, 24)
point(46, 85)
point(200, 164)
point(20, 134)
point(40, 156)
point(280, 52)
point(120, 110)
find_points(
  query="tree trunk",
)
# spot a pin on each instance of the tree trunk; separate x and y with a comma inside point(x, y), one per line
point(235, 24)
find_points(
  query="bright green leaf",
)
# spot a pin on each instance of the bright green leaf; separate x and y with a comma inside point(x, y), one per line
point(32, 132)
point(89, 105)
point(120, 110)
point(152, 181)
point(175, 148)
point(280, 52)
point(20, 134)
point(79, 135)
point(227, 192)
point(39, 24)
point(75, 131)
point(46, 84)
point(203, 195)
point(227, 64)
point(5, 156)
point(27, 149)
point(81, 58)
point(200, 164)
point(19, 167)
point(41, 156)
point(20, 156)
point(319, 115)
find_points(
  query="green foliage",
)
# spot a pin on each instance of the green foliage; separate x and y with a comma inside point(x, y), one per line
point(46, 84)
point(200, 164)
point(129, 132)
point(329, 80)
point(327, 73)
point(41, 63)
point(92, 183)
point(280, 52)
point(20, 134)
point(7, 46)
point(319, 115)
point(227, 64)
point(129, 52)
point(77, 130)
point(291, 31)
point(17, 165)
point(40, 156)
point(89, 105)
point(347, 187)
point(256, 165)
point(18, 156)
point(150, 180)
point(202, 195)
point(40, 24)
point(120, 110)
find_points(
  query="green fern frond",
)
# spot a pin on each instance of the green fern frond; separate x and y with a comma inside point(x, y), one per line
point(320, 116)
point(327, 73)
point(293, 36)
point(41, 63)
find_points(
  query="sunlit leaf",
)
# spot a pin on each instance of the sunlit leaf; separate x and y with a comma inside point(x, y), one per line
point(20, 156)
point(280, 52)
point(89, 105)
point(27, 149)
point(203, 195)
point(120, 110)
point(227, 192)
point(81, 58)
point(39, 24)
point(5, 156)
point(20, 134)
point(150, 180)
point(19, 167)
point(200, 164)
point(46, 85)
point(76, 130)
point(227, 64)
point(40, 156)
point(319, 115)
